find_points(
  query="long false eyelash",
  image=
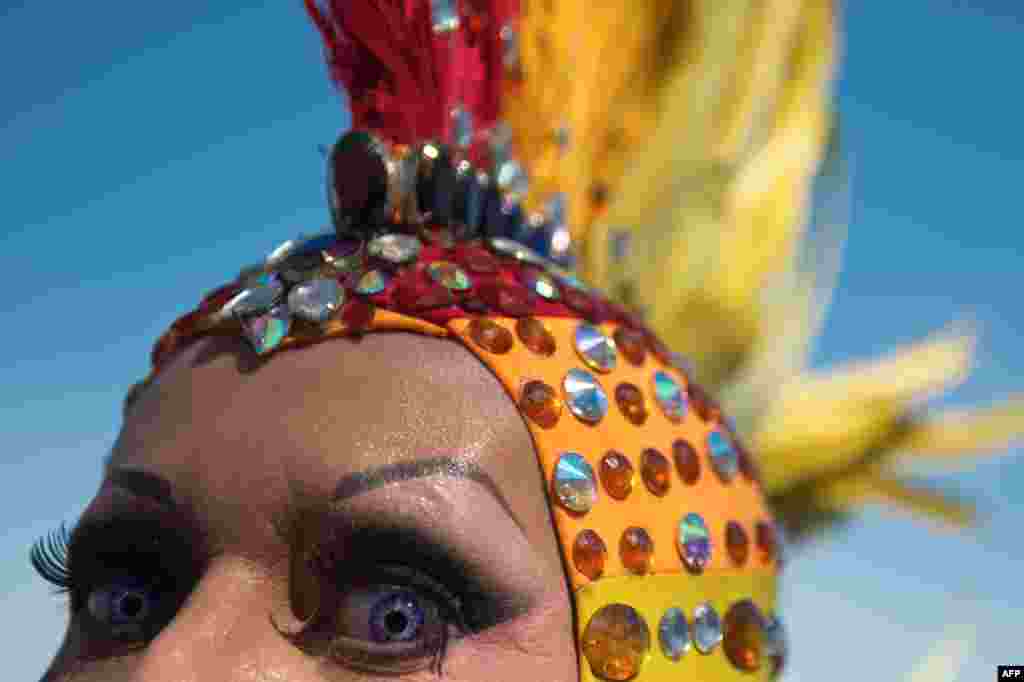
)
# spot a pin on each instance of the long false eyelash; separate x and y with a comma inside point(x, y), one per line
point(49, 558)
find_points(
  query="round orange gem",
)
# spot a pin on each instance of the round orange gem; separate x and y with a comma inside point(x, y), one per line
point(540, 403)
point(589, 554)
point(736, 542)
point(631, 344)
point(743, 635)
point(631, 403)
point(764, 534)
point(687, 461)
point(490, 335)
point(636, 549)
point(616, 642)
point(535, 336)
point(656, 472)
point(617, 474)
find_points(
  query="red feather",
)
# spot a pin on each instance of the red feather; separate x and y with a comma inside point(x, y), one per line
point(402, 78)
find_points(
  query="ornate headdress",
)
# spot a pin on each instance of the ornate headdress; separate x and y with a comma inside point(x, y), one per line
point(506, 163)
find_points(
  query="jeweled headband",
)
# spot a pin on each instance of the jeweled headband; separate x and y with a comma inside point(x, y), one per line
point(670, 550)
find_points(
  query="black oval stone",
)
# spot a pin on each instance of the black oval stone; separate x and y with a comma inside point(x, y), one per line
point(357, 182)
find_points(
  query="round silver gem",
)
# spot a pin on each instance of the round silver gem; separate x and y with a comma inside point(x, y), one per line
point(584, 396)
point(674, 633)
point(693, 540)
point(513, 249)
point(595, 348)
point(724, 458)
point(397, 249)
point(316, 300)
point(670, 396)
point(574, 482)
point(707, 628)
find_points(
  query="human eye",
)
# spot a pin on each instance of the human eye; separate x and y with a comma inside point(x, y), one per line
point(387, 611)
point(125, 579)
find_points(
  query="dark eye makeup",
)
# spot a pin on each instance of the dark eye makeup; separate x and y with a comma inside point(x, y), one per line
point(389, 598)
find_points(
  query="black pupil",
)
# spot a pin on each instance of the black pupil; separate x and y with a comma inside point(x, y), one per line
point(131, 605)
point(396, 621)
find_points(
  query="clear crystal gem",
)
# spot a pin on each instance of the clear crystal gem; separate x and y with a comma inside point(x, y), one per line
point(372, 282)
point(670, 396)
point(574, 482)
point(449, 275)
point(316, 300)
point(723, 455)
point(707, 628)
point(444, 15)
point(396, 249)
point(258, 299)
point(266, 331)
point(595, 348)
point(694, 542)
point(540, 283)
point(674, 633)
point(513, 249)
point(585, 397)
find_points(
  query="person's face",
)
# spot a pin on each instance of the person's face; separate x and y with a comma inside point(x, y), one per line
point(374, 496)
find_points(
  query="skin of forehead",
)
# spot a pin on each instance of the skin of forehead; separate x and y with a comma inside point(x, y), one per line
point(238, 438)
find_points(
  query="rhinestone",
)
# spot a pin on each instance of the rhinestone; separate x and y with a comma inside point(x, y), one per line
point(736, 542)
point(540, 283)
point(636, 549)
point(631, 343)
point(444, 15)
point(449, 274)
point(707, 628)
point(616, 642)
point(674, 634)
point(775, 644)
point(490, 335)
point(670, 396)
point(694, 542)
point(723, 455)
point(656, 472)
point(540, 403)
point(373, 282)
point(396, 249)
point(357, 183)
point(617, 474)
point(254, 301)
point(594, 348)
point(316, 300)
point(585, 397)
point(266, 331)
point(687, 461)
point(631, 402)
point(513, 249)
point(767, 542)
point(512, 179)
point(744, 637)
point(589, 554)
point(535, 336)
point(345, 256)
point(574, 482)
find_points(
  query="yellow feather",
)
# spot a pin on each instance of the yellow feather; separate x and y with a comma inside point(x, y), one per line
point(954, 434)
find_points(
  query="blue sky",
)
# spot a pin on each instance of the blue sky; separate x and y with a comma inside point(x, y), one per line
point(147, 150)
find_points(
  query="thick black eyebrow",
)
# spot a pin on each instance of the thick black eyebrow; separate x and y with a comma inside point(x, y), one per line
point(449, 467)
point(143, 484)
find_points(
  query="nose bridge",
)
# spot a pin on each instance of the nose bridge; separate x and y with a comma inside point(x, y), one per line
point(224, 632)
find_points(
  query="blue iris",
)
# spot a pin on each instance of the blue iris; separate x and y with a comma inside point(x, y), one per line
point(397, 617)
point(122, 604)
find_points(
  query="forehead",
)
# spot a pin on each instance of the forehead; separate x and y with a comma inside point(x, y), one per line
point(238, 437)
